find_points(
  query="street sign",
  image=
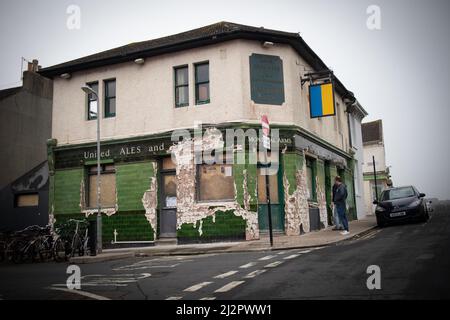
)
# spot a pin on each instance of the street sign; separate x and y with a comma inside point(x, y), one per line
point(266, 142)
point(321, 100)
point(265, 125)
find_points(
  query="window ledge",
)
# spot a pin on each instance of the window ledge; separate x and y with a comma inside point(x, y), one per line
point(215, 203)
point(202, 103)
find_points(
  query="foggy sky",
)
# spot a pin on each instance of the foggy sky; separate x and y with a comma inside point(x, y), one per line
point(399, 73)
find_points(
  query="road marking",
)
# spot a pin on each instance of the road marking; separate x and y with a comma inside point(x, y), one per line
point(282, 252)
point(174, 298)
point(81, 293)
point(273, 264)
point(425, 256)
point(254, 274)
point(197, 286)
point(304, 251)
point(292, 256)
point(248, 265)
point(266, 258)
point(226, 274)
point(229, 286)
point(208, 298)
point(98, 280)
point(140, 267)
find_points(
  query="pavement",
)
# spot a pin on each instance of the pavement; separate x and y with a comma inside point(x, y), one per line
point(413, 261)
point(319, 238)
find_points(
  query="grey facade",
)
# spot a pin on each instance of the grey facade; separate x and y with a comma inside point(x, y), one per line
point(25, 126)
point(15, 216)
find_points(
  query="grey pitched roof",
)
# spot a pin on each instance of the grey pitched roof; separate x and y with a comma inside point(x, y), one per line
point(8, 92)
point(215, 33)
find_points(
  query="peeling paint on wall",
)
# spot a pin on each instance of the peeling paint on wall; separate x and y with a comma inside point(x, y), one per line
point(150, 200)
point(82, 195)
point(296, 204)
point(189, 211)
point(108, 211)
point(322, 203)
point(93, 211)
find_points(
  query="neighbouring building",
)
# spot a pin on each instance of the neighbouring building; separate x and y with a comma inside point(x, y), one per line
point(372, 136)
point(355, 115)
point(225, 76)
point(25, 127)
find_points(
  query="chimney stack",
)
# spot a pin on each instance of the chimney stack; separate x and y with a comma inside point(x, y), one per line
point(33, 66)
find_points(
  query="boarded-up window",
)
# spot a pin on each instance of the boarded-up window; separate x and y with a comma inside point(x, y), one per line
point(168, 164)
point(27, 200)
point(107, 187)
point(273, 184)
point(215, 182)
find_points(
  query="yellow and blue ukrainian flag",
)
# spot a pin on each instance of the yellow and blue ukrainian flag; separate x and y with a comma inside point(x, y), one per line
point(321, 100)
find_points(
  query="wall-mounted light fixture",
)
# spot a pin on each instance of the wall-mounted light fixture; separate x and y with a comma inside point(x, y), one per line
point(139, 61)
point(66, 76)
point(267, 44)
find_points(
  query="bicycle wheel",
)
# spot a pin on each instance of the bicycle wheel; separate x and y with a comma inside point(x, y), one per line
point(76, 247)
point(45, 250)
point(59, 250)
point(86, 248)
point(17, 251)
point(33, 250)
point(2, 251)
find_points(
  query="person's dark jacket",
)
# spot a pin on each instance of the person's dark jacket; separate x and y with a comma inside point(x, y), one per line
point(340, 195)
point(334, 191)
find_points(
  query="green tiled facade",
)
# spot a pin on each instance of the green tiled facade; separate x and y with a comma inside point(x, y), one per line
point(291, 163)
point(132, 180)
point(226, 226)
point(67, 198)
point(130, 226)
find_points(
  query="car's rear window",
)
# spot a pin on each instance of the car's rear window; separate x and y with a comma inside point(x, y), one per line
point(398, 193)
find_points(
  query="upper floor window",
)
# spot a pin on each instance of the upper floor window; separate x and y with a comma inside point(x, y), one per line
point(202, 83)
point(181, 86)
point(92, 103)
point(110, 98)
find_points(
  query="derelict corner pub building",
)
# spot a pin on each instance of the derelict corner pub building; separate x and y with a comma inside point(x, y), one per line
point(147, 197)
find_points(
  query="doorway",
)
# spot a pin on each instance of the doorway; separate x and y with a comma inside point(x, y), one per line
point(328, 192)
point(168, 200)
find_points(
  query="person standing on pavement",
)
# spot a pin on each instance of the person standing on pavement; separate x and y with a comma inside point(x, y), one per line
point(337, 223)
point(339, 200)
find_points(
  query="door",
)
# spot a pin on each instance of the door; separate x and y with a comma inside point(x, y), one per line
point(168, 213)
point(276, 202)
point(328, 192)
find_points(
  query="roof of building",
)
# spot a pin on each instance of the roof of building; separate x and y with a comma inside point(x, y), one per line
point(372, 132)
point(215, 33)
point(9, 92)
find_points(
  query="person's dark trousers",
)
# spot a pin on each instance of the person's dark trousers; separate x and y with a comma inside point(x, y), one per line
point(340, 207)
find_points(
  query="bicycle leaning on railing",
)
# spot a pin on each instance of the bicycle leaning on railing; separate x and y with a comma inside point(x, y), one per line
point(36, 243)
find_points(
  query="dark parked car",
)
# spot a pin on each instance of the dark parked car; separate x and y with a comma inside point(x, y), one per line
point(401, 204)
